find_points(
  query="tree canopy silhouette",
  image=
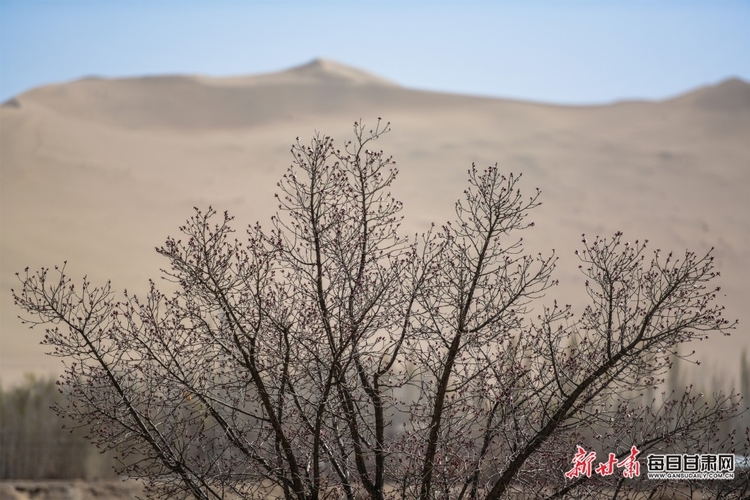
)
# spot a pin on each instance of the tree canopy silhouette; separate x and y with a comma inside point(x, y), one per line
point(329, 357)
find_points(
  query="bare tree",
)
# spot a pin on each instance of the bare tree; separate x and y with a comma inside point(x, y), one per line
point(331, 358)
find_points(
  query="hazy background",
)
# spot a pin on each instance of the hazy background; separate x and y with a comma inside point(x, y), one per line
point(553, 51)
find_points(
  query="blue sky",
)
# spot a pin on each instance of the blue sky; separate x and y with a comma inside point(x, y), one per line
point(574, 51)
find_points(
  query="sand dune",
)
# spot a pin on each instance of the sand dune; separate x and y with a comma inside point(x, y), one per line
point(732, 95)
point(100, 171)
point(180, 103)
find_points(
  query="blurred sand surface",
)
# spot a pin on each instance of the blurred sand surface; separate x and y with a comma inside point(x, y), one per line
point(70, 490)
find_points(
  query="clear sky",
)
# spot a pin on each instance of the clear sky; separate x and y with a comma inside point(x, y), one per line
point(573, 51)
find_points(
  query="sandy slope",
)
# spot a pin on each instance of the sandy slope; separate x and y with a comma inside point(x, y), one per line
point(99, 171)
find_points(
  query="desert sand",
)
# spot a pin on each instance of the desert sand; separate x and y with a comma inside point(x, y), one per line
point(65, 490)
point(99, 171)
